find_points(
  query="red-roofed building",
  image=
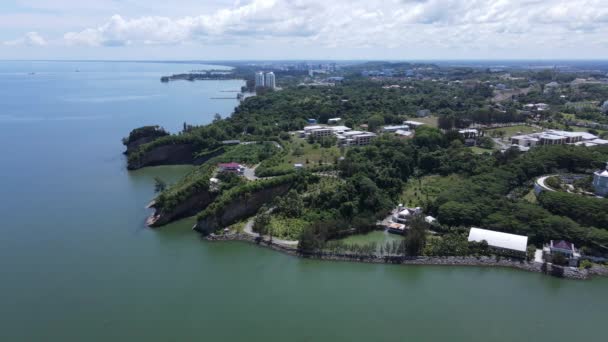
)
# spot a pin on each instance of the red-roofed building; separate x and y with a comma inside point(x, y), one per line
point(231, 167)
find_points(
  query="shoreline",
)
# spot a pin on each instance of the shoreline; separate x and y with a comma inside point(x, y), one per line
point(471, 261)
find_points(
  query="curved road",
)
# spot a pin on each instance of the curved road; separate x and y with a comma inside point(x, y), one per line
point(249, 230)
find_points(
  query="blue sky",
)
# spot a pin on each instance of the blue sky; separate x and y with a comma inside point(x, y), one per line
point(303, 29)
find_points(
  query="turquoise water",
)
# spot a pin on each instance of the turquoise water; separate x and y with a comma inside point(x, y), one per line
point(78, 264)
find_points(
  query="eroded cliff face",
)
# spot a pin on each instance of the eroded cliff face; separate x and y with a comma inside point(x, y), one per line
point(171, 155)
point(188, 207)
point(134, 145)
point(242, 207)
point(164, 155)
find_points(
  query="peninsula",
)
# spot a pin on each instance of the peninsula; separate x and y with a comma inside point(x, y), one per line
point(422, 152)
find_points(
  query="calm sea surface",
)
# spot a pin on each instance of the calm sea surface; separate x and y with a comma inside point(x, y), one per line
point(78, 264)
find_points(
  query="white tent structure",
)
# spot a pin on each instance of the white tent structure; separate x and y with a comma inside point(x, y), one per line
point(496, 239)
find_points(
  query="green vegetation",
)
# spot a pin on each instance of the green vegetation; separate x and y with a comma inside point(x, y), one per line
point(510, 131)
point(422, 191)
point(151, 132)
point(481, 199)
point(588, 211)
point(216, 208)
point(461, 186)
point(299, 151)
point(198, 180)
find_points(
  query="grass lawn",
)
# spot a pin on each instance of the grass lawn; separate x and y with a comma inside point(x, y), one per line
point(531, 197)
point(429, 120)
point(514, 130)
point(418, 190)
point(377, 236)
point(286, 228)
point(238, 227)
point(300, 151)
point(479, 150)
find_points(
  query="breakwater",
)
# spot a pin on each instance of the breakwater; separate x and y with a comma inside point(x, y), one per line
point(481, 261)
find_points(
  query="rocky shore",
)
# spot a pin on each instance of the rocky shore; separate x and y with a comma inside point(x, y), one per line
point(482, 261)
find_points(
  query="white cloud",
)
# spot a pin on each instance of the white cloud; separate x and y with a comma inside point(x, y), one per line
point(29, 39)
point(436, 25)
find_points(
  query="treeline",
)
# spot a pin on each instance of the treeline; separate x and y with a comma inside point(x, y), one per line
point(145, 132)
point(481, 200)
point(588, 211)
point(242, 191)
point(198, 180)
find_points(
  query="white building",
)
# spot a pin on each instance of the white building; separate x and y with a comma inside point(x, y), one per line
point(387, 129)
point(403, 215)
point(259, 79)
point(334, 121)
point(270, 80)
point(504, 241)
point(600, 182)
point(404, 134)
point(554, 137)
point(413, 124)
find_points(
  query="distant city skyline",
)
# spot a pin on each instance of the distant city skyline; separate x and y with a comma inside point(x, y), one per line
point(304, 29)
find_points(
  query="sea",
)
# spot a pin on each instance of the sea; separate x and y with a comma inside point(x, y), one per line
point(77, 262)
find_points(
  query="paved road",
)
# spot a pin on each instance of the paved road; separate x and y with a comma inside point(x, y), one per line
point(249, 173)
point(249, 230)
point(502, 145)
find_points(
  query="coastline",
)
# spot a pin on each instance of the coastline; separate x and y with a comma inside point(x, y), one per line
point(482, 261)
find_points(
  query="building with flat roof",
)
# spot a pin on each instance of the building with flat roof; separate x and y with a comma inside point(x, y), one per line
point(413, 124)
point(387, 129)
point(554, 137)
point(334, 121)
point(499, 240)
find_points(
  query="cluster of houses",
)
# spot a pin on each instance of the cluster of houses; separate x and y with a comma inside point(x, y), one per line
point(556, 137)
point(346, 136)
point(515, 245)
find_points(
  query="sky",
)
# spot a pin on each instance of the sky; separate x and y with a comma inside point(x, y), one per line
point(303, 29)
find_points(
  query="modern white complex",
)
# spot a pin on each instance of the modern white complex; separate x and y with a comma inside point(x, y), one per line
point(555, 137)
point(600, 182)
point(270, 81)
point(512, 242)
point(259, 79)
point(345, 135)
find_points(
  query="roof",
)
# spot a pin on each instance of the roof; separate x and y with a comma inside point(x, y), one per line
point(308, 128)
point(396, 127)
point(395, 225)
point(404, 133)
point(498, 239)
point(229, 165)
point(340, 128)
point(413, 123)
point(562, 244)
